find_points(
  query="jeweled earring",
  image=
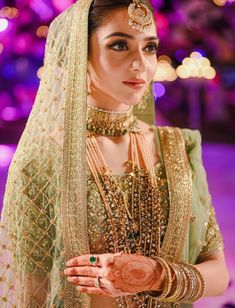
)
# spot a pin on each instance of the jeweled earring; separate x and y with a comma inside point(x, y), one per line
point(144, 99)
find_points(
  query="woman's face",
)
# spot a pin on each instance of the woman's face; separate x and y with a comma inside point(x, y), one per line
point(118, 53)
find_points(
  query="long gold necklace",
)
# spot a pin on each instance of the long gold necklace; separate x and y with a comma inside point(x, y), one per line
point(134, 226)
point(115, 201)
point(134, 231)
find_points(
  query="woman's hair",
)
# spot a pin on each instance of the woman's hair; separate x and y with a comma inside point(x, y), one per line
point(101, 9)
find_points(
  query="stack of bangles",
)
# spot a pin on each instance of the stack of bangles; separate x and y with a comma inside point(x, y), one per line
point(183, 283)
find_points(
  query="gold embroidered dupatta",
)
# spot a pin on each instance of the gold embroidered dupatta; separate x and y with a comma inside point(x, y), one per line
point(44, 219)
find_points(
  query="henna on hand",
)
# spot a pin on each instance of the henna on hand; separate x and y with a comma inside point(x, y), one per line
point(122, 274)
point(133, 273)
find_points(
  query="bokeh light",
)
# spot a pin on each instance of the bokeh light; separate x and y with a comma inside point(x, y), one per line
point(165, 71)
point(3, 24)
point(1, 48)
point(40, 72)
point(158, 90)
point(10, 114)
point(61, 5)
point(9, 12)
point(196, 66)
point(42, 31)
point(6, 154)
point(223, 2)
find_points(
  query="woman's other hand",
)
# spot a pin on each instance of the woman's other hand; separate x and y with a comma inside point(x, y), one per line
point(119, 274)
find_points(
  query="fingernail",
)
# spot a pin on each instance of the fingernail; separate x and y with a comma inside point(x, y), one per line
point(68, 263)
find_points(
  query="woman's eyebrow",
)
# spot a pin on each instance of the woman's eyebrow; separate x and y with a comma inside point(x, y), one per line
point(125, 35)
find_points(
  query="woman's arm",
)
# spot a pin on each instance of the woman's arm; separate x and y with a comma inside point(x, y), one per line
point(215, 274)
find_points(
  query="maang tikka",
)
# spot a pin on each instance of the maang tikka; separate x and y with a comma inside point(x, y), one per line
point(141, 16)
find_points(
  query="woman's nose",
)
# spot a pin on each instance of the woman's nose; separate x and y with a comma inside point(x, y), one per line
point(138, 63)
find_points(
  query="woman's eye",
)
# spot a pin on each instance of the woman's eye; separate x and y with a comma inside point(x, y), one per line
point(152, 48)
point(118, 46)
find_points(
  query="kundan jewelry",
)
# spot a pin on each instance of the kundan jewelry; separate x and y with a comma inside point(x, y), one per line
point(140, 16)
point(127, 232)
point(130, 231)
point(110, 123)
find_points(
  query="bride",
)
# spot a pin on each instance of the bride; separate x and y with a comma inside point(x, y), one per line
point(103, 208)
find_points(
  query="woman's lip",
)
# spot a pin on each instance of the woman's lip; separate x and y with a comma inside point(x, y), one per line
point(136, 86)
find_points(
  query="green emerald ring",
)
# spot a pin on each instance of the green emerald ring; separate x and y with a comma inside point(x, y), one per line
point(93, 260)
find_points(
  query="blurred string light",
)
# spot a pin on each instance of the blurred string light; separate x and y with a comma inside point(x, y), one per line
point(165, 70)
point(196, 66)
point(1, 48)
point(3, 24)
point(42, 9)
point(158, 90)
point(9, 12)
point(223, 2)
point(40, 72)
point(62, 5)
point(6, 154)
point(10, 114)
point(42, 31)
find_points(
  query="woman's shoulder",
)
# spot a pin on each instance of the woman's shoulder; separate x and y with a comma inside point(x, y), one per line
point(192, 137)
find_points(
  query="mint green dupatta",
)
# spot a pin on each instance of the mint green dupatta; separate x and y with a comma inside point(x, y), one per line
point(188, 194)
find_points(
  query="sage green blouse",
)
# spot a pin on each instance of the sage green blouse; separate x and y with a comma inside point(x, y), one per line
point(98, 220)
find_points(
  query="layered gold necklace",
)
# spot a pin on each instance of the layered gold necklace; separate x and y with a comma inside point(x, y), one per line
point(135, 227)
point(109, 123)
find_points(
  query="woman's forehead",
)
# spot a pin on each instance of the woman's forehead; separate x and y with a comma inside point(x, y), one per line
point(118, 22)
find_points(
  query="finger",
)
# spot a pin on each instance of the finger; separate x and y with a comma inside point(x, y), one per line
point(83, 261)
point(93, 290)
point(87, 281)
point(88, 271)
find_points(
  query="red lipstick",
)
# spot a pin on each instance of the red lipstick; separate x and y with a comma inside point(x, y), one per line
point(135, 83)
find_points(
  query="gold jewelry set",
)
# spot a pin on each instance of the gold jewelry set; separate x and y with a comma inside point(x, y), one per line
point(140, 16)
point(127, 232)
point(183, 283)
point(141, 19)
point(108, 123)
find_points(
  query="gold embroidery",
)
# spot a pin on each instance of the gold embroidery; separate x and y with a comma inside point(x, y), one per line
point(74, 211)
point(213, 240)
point(179, 180)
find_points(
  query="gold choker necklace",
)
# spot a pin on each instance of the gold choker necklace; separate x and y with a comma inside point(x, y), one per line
point(111, 123)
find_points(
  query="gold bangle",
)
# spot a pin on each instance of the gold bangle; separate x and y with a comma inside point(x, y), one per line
point(192, 279)
point(185, 282)
point(167, 284)
point(202, 286)
point(180, 285)
point(197, 284)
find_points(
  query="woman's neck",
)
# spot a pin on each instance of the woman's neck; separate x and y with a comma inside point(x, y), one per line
point(107, 103)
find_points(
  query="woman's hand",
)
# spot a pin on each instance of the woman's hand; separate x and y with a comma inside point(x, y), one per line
point(120, 274)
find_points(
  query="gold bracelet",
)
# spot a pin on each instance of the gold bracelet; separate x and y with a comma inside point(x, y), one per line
point(202, 286)
point(180, 285)
point(192, 279)
point(197, 284)
point(185, 283)
point(167, 284)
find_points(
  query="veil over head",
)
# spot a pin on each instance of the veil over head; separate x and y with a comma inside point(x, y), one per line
point(44, 210)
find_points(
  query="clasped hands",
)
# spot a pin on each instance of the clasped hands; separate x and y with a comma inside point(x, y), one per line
point(120, 274)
